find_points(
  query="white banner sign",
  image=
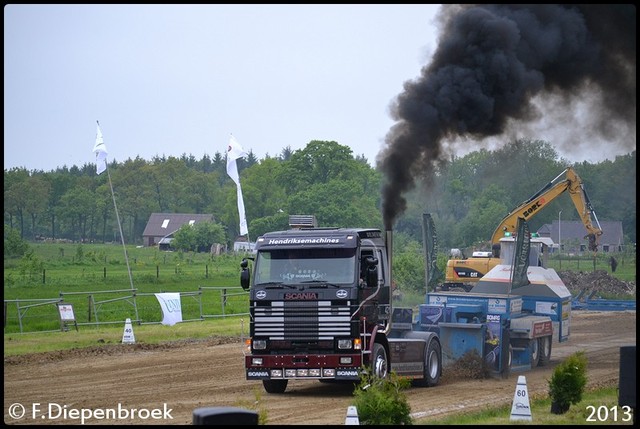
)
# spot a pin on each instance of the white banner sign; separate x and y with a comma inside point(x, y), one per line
point(235, 151)
point(171, 308)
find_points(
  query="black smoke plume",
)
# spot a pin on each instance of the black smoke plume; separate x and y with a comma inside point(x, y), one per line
point(490, 63)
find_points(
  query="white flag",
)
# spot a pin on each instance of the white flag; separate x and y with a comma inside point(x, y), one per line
point(101, 151)
point(235, 151)
point(171, 307)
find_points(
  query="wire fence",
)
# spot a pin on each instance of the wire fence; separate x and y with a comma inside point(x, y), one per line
point(622, 266)
point(72, 310)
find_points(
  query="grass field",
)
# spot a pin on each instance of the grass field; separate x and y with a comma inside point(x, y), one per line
point(16, 344)
point(96, 281)
point(94, 278)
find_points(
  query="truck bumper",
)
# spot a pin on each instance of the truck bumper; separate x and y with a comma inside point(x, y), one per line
point(273, 367)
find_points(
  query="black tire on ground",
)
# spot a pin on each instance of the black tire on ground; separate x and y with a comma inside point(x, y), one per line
point(379, 361)
point(432, 365)
point(506, 373)
point(275, 386)
point(506, 355)
point(544, 345)
point(534, 346)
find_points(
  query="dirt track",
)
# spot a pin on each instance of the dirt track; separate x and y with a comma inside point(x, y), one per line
point(189, 375)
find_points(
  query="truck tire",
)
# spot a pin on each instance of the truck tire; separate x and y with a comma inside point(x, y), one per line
point(534, 347)
point(544, 345)
point(432, 365)
point(275, 386)
point(379, 361)
point(507, 362)
point(506, 354)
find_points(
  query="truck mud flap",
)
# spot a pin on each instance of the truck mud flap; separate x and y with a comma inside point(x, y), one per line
point(407, 356)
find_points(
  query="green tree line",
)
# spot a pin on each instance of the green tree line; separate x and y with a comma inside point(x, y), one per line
point(467, 195)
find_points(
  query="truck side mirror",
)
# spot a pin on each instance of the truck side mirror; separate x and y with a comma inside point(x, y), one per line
point(371, 271)
point(245, 275)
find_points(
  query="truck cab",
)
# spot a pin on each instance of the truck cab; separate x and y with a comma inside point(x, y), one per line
point(320, 308)
point(318, 297)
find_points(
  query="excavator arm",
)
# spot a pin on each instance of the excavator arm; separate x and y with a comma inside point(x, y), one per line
point(572, 184)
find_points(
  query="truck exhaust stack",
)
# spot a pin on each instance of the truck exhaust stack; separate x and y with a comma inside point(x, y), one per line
point(388, 240)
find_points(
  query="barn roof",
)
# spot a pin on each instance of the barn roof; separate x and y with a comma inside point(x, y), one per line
point(163, 224)
point(612, 233)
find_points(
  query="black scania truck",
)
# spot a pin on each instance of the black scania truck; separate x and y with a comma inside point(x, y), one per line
point(320, 308)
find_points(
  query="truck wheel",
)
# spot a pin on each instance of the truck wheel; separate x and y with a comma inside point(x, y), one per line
point(534, 346)
point(544, 345)
point(379, 361)
point(275, 386)
point(507, 362)
point(432, 365)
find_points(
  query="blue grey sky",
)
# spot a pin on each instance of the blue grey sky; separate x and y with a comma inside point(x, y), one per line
point(174, 79)
point(179, 79)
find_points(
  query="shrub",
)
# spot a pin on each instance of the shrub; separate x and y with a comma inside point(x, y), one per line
point(31, 265)
point(14, 245)
point(568, 382)
point(257, 407)
point(381, 401)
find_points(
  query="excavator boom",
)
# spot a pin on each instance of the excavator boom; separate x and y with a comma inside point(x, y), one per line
point(572, 184)
point(465, 273)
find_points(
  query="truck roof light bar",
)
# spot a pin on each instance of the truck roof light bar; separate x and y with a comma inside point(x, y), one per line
point(303, 221)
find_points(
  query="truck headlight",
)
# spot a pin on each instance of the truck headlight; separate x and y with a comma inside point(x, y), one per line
point(344, 344)
point(259, 344)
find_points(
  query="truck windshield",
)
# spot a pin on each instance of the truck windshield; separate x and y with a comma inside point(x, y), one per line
point(304, 265)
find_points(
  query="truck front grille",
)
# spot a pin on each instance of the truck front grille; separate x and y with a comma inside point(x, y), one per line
point(302, 320)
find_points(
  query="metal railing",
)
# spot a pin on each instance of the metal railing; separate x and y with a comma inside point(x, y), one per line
point(106, 307)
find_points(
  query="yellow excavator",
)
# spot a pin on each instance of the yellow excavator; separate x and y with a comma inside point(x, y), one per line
point(465, 273)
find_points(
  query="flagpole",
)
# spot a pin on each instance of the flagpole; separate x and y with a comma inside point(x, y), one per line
point(248, 240)
point(124, 247)
point(126, 258)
